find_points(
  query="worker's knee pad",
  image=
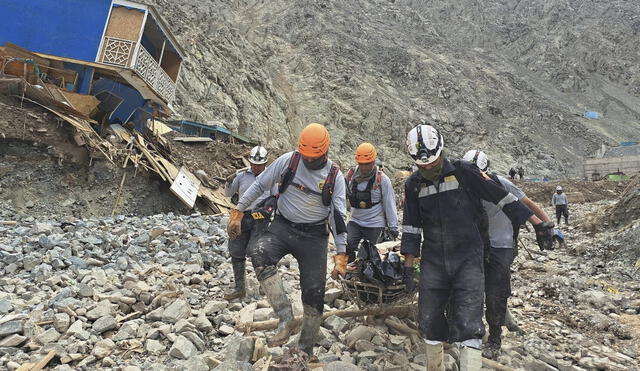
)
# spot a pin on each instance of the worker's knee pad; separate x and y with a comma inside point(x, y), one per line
point(262, 273)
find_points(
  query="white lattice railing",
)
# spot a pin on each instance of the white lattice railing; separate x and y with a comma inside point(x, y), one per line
point(154, 75)
point(117, 52)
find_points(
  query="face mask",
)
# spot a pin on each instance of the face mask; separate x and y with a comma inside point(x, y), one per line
point(432, 174)
point(316, 164)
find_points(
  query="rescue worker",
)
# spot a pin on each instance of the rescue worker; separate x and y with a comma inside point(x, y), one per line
point(512, 173)
point(499, 250)
point(311, 198)
point(560, 201)
point(520, 172)
point(441, 212)
point(372, 199)
point(254, 220)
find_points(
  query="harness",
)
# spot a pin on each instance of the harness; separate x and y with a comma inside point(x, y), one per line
point(362, 199)
point(290, 173)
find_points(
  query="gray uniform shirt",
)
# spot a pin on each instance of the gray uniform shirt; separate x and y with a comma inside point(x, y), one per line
point(241, 183)
point(296, 205)
point(559, 199)
point(383, 214)
point(500, 227)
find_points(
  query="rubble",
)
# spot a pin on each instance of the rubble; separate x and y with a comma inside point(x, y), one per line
point(161, 297)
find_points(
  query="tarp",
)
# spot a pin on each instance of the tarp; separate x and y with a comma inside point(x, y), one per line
point(618, 177)
point(591, 115)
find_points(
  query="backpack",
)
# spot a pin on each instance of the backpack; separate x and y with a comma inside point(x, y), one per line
point(290, 173)
point(361, 199)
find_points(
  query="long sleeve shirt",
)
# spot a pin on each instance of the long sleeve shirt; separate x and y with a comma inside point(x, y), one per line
point(559, 199)
point(384, 213)
point(500, 226)
point(240, 184)
point(298, 206)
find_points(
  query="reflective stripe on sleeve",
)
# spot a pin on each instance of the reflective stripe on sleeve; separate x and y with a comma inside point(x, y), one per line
point(411, 229)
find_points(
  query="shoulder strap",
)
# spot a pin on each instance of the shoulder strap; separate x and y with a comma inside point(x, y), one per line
point(329, 185)
point(290, 173)
point(349, 175)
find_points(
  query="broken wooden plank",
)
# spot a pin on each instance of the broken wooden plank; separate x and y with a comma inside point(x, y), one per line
point(38, 365)
point(8, 222)
point(193, 139)
point(397, 310)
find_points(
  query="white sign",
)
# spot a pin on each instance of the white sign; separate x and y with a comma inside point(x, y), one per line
point(186, 186)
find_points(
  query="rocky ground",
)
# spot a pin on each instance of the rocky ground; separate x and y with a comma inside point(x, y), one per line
point(128, 293)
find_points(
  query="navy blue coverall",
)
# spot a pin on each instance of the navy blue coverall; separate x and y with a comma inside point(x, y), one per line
point(441, 224)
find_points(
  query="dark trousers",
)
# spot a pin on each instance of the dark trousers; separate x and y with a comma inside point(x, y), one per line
point(497, 284)
point(244, 245)
point(451, 297)
point(357, 233)
point(307, 244)
point(562, 210)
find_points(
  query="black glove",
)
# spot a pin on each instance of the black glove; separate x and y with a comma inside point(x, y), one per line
point(393, 233)
point(408, 277)
point(544, 235)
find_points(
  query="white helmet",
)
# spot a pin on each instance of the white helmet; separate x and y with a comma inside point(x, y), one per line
point(477, 157)
point(558, 188)
point(425, 144)
point(258, 155)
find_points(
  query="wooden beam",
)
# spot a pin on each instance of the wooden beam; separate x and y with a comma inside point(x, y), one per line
point(399, 310)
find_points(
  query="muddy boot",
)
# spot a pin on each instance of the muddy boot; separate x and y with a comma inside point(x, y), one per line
point(274, 290)
point(491, 349)
point(238, 276)
point(310, 328)
point(435, 357)
point(511, 324)
point(470, 359)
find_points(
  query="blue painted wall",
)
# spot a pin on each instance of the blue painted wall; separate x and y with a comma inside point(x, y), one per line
point(85, 75)
point(67, 28)
point(132, 98)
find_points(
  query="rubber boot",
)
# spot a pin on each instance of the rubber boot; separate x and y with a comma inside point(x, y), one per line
point(435, 357)
point(491, 349)
point(511, 324)
point(310, 328)
point(238, 275)
point(274, 290)
point(470, 359)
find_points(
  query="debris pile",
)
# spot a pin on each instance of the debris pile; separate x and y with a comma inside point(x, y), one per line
point(627, 209)
point(131, 151)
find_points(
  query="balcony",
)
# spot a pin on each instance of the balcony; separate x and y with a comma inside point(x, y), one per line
point(128, 54)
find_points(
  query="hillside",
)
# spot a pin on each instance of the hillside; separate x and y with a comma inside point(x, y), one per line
point(512, 77)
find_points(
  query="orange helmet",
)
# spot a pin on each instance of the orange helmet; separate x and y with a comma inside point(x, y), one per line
point(314, 141)
point(366, 153)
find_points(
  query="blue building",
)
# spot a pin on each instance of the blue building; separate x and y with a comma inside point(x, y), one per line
point(119, 48)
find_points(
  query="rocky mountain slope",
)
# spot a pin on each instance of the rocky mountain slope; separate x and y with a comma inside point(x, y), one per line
point(510, 76)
